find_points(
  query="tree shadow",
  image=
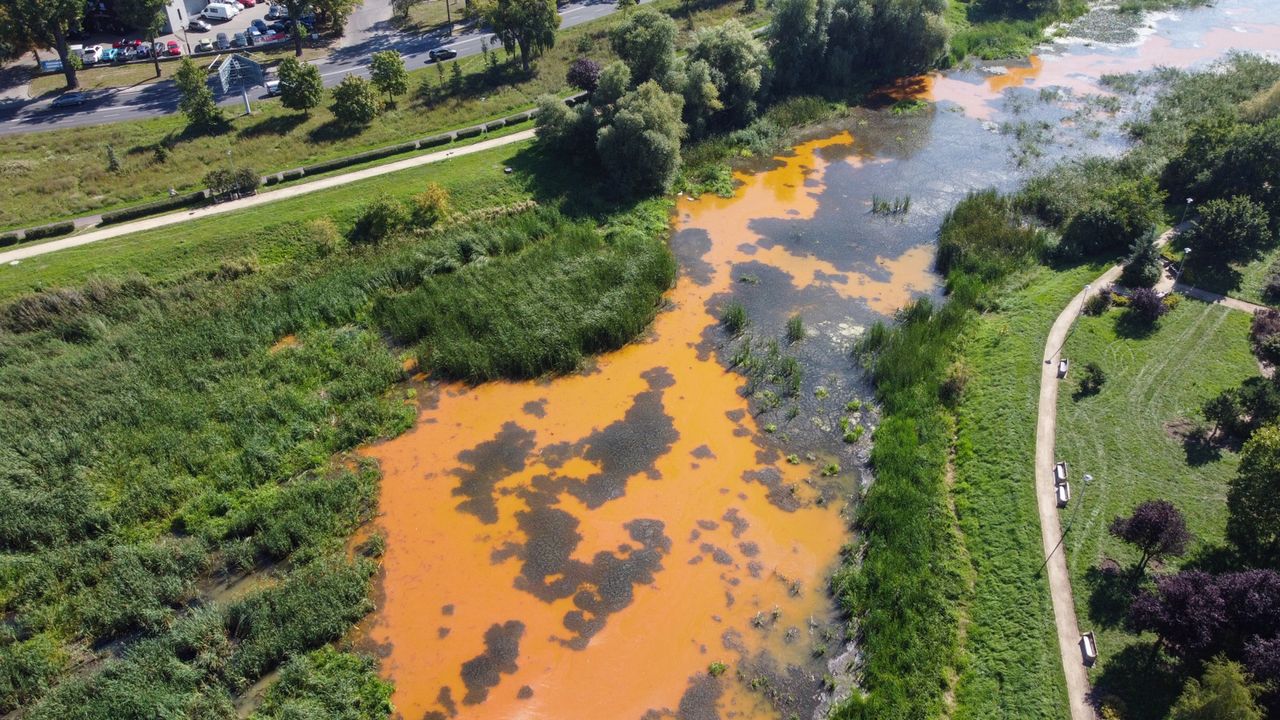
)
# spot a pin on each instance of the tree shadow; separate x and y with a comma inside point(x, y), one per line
point(278, 125)
point(1133, 326)
point(572, 184)
point(1214, 559)
point(1139, 683)
point(333, 131)
point(1111, 591)
point(1200, 448)
point(1219, 278)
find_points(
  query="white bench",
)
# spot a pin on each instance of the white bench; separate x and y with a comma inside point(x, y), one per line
point(1062, 368)
point(1089, 648)
point(1059, 473)
point(1063, 493)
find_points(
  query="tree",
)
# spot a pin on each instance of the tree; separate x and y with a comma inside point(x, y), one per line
point(196, 101)
point(47, 22)
point(796, 44)
point(1185, 610)
point(431, 205)
point(1253, 498)
point(334, 13)
point(379, 220)
point(615, 79)
point(646, 42)
point(1223, 410)
point(146, 15)
point(354, 102)
point(301, 87)
point(569, 131)
point(1112, 221)
point(1156, 528)
point(1229, 231)
point(640, 148)
point(625, 6)
point(386, 70)
point(736, 60)
point(297, 9)
point(1147, 305)
point(701, 98)
point(529, 25)
point(583, 73)
point(1223, 693)
point(1142, 269)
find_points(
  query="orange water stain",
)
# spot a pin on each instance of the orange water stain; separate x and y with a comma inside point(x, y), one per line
point(733, 552)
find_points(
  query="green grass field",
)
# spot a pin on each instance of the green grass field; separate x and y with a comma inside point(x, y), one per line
point(1128, 437)
point(63, 173)
point(1014, 669)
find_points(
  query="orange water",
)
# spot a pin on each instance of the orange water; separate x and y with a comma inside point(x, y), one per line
point(555, 475)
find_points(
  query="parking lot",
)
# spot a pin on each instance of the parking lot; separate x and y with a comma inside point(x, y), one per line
point(240, 23)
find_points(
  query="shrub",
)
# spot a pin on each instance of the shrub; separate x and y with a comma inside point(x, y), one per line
point(1142, 269)
point(379, 220)
point(1119, 215)
point(583, 73)
point(155, 208)
point(48, 231)
point(470, 132)
point(1098, 303)
point(1147, 305)
point(983, 236)
point(795, 329)
point(324, 233)
point(1229, 231)
point(354, 101)
point(330, 684)
point(431, 205)
point(7, 239)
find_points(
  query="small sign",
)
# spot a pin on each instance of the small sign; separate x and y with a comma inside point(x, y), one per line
point(239, 72)
point(51, 65)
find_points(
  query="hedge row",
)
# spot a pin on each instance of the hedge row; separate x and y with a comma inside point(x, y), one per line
point(8, 239)
point(154, 208)
point(434, 140)
point(48, 231)
point(470, 132)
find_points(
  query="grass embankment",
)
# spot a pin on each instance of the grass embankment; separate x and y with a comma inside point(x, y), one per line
point(63, 173)
point(159, 432)
point(1132, 437)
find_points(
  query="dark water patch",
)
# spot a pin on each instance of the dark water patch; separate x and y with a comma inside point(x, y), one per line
point(445, 698)
point(793, 691)
point(749, 549)
point(442, 632)
point(536, 408)
point(691, 247)
point(718, 555)
point(708, 525)
point(736, 521)
point(699, 700)
point(447, 609)
point(702, 452)
point(754, 568)
point(491, 462)
point(780, 495)
point(485, 671)
point(524, 693)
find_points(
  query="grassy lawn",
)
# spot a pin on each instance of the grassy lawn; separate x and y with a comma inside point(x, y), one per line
point(271, 233)
point(1245, 282)
point(1014, 670)
point(63, 173)
point(430, 14)
point(1122, 436)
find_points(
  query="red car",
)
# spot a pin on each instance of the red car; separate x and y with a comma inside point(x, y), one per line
point(174, 49)
point(248, 3)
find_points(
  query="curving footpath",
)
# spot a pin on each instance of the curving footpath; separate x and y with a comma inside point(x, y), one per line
point(260, 198)
point(1064, 604)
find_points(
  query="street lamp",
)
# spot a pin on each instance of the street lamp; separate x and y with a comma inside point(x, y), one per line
point(1186, 207)
point(1186, 251)
point(1070, 521)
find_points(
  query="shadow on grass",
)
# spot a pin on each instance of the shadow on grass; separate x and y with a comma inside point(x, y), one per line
point(278, 125)
point(1221, 279)
point(1214, 559)
point(1200, 448)
point(333, 131)
point(1111, 591)
point(443, 88)
point(1133, 326)
point(1139, 683)
point(572, 185)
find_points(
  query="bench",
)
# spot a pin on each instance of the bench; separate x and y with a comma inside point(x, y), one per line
point(1063, 493)
point(1059, 473)
point(1089, 648)
point(1062, 368)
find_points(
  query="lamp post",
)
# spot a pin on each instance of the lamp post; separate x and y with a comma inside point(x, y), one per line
point(1185, 208)
point(1070, 521)
point(1186, 251)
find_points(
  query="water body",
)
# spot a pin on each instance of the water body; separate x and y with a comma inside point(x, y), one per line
point(595, 545)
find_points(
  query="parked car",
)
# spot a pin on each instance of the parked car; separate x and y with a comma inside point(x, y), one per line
point(198, 25)
point(273, 88)
point(71, 99)
point(260, 25)
point(221, 41)
point(107, 54)
point(142, 52)
point(248, 3)
point(174, 48)
point(240, 40)
point(205, 45)
point(277, 12)
point(442, 54)
point(90, 54)
point(159, 49)
point(279, 28)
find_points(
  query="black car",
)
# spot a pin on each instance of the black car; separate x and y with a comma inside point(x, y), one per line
point(442, 54)
point(279, 28)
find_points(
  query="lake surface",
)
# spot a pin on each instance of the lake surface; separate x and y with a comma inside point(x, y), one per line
point(595, 545)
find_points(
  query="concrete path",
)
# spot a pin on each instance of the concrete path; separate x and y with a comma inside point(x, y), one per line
point(1064, 606)
point(261, 198)
point(1217, 299)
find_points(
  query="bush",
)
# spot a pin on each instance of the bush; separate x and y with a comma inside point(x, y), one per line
point(48, 231)
point(1143, 268)
point(1234, 230)
point(324, 233)
point(734, 317)
point(1122, 213)
point(1098, 303)
point(584, 74)
point(982, 236)
point(7, 239)
point(434, 140)
point(470, 132)
point(1092, 380)
point(1147, 305)
point(355, 102)
point(431, 205)
point(379, 220)
point(155, 208)
point(795, 329)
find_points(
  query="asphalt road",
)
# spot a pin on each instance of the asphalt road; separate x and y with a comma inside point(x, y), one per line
point(119, 105)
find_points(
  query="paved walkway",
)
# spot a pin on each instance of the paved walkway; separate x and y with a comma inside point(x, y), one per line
point(261, 198)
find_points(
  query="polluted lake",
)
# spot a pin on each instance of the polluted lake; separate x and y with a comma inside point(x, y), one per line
point(653, 536)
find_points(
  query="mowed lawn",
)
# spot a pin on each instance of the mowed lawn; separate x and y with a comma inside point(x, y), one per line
point(1013, 667)
point(1130, 438)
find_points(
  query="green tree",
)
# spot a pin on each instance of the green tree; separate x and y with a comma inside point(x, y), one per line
point(701, 98)
point(615, 80)
point(334, 13)
point(354, 101)
point(736, 60)
point(1224, 692)
point(297, 9)
point(47, 22)
point(301, 87)
point(796, 43)
point(146, 15)
point(1253, 498)
point(641, 147)
point(527, 25)
point(388, 74)
point(646, 42)
point(1233, 230)
point(196, 101)
point(568, 131)
point(1142, 269)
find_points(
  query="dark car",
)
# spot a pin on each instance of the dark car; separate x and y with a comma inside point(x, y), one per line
point(442, 54)
point(240, 40)
point(221, 41)
point(277, 12)
point(71, 99)
point(261, 26)
point(279, 28)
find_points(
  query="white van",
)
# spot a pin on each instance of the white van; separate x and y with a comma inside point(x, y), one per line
point(219, 11)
